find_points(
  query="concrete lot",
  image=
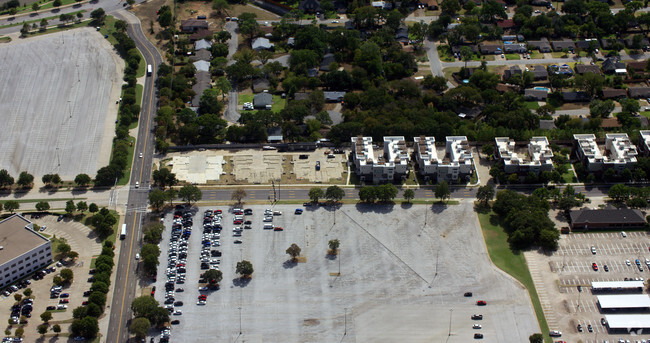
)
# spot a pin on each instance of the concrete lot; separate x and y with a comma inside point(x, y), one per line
point(399, 282)
point(57, 98)
point(558, 276)
point(81, 240)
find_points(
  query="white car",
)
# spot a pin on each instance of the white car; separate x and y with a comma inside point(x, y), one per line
point(201, 303)
point(476, 326)
point(140, 155)
point(628, 262)
point(268, 219)
point(335, 21)
point(61, 307)
point(203, 288)
point(623, 234)
point(177, 313)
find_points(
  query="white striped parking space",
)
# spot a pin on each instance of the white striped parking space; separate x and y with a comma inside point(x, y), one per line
point(542, 293)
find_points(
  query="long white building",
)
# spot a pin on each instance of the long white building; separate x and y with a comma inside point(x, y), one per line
point(619, 154)
point(22, 250)
point(457, 162)
point(644, 145)
point(392, 165)
point(539, 156)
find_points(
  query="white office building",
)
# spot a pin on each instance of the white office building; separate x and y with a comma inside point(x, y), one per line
point(537, 158)
point(22, 250)
point(456, 163)
point(619, 154)
point(392, 165)
point(644, 144)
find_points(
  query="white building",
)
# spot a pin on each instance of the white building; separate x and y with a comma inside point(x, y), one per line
point(457, 162)
point(619, 152)
point(392, 165)
point(538, 158)
point(645, 142)
point(22, 250)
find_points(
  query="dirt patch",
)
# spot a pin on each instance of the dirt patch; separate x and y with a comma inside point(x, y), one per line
point(310, 322)
point(147, 13)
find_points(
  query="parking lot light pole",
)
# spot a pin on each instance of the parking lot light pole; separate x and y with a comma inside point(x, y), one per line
point(451, 310)
point(240, 320)
point(345, 316)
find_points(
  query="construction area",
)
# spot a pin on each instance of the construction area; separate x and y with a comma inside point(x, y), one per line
point(58, 100)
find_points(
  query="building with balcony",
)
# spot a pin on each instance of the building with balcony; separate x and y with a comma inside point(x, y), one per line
point(537, 158)
point(456, 164)
point(619, 154)
point(391, 165)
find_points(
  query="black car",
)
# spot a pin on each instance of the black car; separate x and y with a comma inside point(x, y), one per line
point(50, 308)
point(169, 301)
point(468, 294)
point(92, 271)
point(248, 211)
point(86, 293)
point(60, 218)
point(477, 316)
point(178, 303)
point(175, 322)
point(478, 335)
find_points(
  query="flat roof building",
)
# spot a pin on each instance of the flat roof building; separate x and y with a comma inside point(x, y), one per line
point(620, 153)
point(628, 321)
point(22, 250)
point(644, 144)
point(457, 161)
point(537, 158)
point(618, 286)
point(629, 301)
point(392, 165)
point(606, 219)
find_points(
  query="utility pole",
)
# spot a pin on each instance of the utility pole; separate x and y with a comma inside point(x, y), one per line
point(345, 332)
point(451, 310)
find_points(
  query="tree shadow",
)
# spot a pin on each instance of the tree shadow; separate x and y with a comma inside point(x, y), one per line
point(330, 257)
point(494, 220)
point(289, 264)
point(406, 205)
point(241, 281)
point(79, 190)
point(482, 208)
point(438, 207)
point(376, 208)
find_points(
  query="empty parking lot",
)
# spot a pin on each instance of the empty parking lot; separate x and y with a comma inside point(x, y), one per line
point(564, 280)
point(55, 99)
point(399, 280)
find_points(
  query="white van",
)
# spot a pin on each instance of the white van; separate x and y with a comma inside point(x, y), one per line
point(137, 256)
point(137, 184)
point(268, 226)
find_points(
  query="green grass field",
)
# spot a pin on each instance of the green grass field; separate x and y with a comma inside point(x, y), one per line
point(569, 175)
point(129, 162)
point(510, 262)
point(513, 57)
point(42, 6)
point(533, 105)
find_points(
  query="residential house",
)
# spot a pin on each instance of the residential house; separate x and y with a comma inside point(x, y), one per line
point(274, 134)
point(261, 85)
point(639, 92)
point(510, 38)
point(560, 45)
point(202, 44)
point(588, 44)
point(619, 155)
point(613, 93)
point(514, 48)
point(512, 71)
point(431, 4)
point(261, 43)
point(200, 34)
point(563, 69)
point(540, 73)
point(312, 72)
point(334, 96)
point(309, 6)
point(636, 66)
point(540, 2)
point(263, 100)
point(490, 49)
point(392, 165)
point(606, 219)
point(506, 24)
point(203, 80)
point(612, 64)
point(587, 68)
point(537, 158)
point(630, 42)
point(535, 94)
point(300, 96)
point(193, 25)
point(609, 42)
point(573, 96)
point(202, 54)
point(327, 60)
point(541, 45)
point(202, 65)
point(402, 35)
point(455, 49)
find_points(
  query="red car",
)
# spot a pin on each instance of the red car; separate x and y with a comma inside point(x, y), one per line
point(595, 266)
point(278, 228)
point(64, 301)
point(481, 303)
point(203, 297)
point(84, 303)
point(237, 221)
point(218, 211)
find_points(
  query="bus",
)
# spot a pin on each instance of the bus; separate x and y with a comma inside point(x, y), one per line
point(149, 69)
point(123, 234)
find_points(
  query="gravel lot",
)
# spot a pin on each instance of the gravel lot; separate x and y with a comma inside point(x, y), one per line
point(55, 94)
point(399, 282)
point(558, 276)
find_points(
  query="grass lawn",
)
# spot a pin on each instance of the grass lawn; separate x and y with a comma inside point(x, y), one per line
point(513, 57)
point(444, 52)
point(129, 161)
point(38, 21)
point(510, 262)
point(533, 105)
point(645, 114)
point(5, 39)
point(569, 176)
point(558, 54)
point(536, 54)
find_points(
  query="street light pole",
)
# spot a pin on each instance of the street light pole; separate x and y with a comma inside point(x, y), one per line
point(345, 332)
point(451, 310)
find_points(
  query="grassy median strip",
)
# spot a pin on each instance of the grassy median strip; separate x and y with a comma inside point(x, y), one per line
point(510, 262)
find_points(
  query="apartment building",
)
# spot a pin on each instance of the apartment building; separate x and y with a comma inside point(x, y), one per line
point(538, 156)
point(391, 165)
point(456, 163)
point(23, 250)
point(619, 152)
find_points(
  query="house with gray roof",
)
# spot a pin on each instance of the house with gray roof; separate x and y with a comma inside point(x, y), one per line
point(612, 64)
point(541, 45)
point(606, 219)
point(587, 68)
point(263, 100)
point(202, 65)
point(572, 96)
point(639, 92)
point(613, 93)
point(535, 94)
point(334, 96)
point(540, 73)
point(514, 48)
point(202, 44)
point(510, 72)
point(560, 45)
point(490, 49)
point(262, 43)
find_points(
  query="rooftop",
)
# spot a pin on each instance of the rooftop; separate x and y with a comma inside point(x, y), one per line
point(617, 284)
point(624, 301)
point(606, 216)
point(395, 150)
point(426, 149)
point(620, 148)
point(16, 238)
point(628, 321)
point(363, 150)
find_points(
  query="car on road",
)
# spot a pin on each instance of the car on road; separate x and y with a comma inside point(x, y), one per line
point(140, 155)
point(481, 303)
point(476, 326)
point(177, 313)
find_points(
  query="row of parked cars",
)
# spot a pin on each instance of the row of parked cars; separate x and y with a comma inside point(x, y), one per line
point(476, 326)
point(177, 259)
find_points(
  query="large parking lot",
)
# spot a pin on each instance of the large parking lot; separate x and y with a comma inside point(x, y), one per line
point(564, 278)
point(399, 281)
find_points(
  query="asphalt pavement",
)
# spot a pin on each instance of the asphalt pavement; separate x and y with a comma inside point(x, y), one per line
point(126, 278)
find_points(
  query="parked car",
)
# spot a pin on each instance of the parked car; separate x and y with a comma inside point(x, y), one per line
point(481, 303)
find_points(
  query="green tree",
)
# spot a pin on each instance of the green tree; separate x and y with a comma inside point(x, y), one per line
point(140, 327)
point(42, 329)
point(82, 180)
point(25, 179)
point(56, 328)
point(333, 244)
point(163, 177)
point(24, 30)
point(67, 275)
point(442, 191)
point(82, 206)
point(244, 268)
point(591, 83)
point(315, 193)
point(93, 207)
point(42, 206)
point(368, 194)
point(28, 292)
point(70, 207)
point(43, 23)
point(5, 179)
point(11, 205)
point(601, 108)
point(35, 7)
point(334, 193)
point(536, 338)
point(213, 276)
point(409, 194)
point(157, 199)
point(248, 24)
point(190, 194)
point(223, 85)
point(293, 251)
point(619, 192)
point(238, 194)
point(98, 15)
point(46, 316)
point(20, 332)
point(485, 194)
point(63, 248)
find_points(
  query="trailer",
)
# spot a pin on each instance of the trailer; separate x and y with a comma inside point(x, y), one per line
point(123, 234)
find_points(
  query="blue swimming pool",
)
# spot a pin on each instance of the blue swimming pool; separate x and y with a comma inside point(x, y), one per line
point(542, 89)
